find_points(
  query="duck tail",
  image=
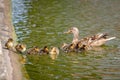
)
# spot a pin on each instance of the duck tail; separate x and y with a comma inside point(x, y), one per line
point(110, 38)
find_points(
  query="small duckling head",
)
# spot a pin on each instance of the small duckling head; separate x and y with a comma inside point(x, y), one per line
point(72, 46)
point(64, 45)
point(22, 46)
point(10, 40)
point(36, 49)
point(9, 44)
point(46, 49)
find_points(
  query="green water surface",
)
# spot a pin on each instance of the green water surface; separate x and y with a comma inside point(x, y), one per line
point(42, 23)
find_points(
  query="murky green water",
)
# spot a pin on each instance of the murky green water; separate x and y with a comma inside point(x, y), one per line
point(40, 23)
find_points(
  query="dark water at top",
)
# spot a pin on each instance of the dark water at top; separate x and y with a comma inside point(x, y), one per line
point(40, 23)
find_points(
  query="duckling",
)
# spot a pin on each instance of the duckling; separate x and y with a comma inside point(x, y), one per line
point(44, 50)
point(9, 43)
point(68, 47)
point(54, 50)
point(83, 48)
point(34, 50)
point(83, 44)
point(64, 47)
point(20, 48)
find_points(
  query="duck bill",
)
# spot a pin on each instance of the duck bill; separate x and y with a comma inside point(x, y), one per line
point(68, 32)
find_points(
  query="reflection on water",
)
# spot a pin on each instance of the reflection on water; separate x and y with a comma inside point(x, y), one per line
point(53, 56)
point(40, 23)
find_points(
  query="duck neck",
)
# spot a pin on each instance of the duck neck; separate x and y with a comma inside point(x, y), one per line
point(75, 38)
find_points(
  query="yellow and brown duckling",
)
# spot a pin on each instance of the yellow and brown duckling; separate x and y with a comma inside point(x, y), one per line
point(64, 47)
point(83, 44)
point(54, 50)
point(44, 50)
point(9, 43)
point(82, 48)
point(34, 50)
point(20, 48)
point(68, 47)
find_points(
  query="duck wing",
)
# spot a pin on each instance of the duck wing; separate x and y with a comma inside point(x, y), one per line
point(95, 40)
point(100, 39)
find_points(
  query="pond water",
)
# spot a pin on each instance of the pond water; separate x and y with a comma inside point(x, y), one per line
point(41, 23)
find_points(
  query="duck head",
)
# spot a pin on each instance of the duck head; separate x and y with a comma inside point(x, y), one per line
point(75, 32)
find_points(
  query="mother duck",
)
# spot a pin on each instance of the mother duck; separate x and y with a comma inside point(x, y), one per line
point(92, 41)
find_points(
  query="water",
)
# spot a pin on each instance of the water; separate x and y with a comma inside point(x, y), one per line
point(40, 23)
